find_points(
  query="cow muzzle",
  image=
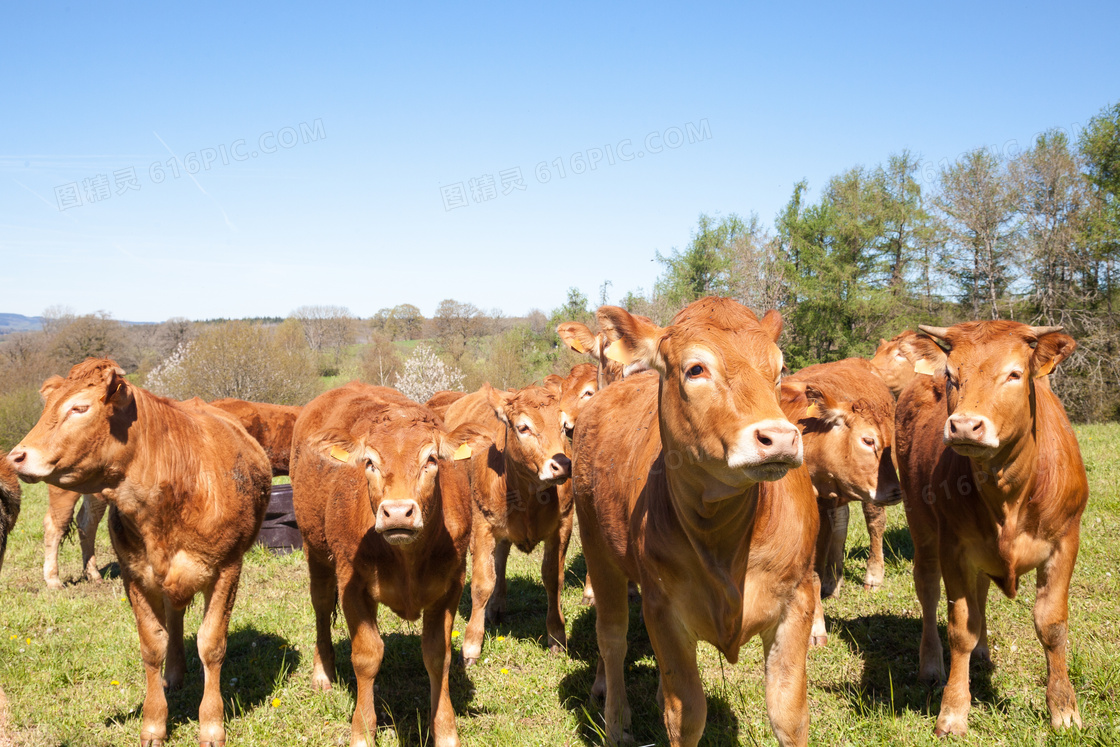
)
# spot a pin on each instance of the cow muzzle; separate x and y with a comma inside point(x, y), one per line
point(970, 434)
point(29, 464)
point(567, 425)
point(399, 522)
point(556, 470)
point(767, 450)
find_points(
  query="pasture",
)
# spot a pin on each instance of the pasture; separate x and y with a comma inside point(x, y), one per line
point(70, 664)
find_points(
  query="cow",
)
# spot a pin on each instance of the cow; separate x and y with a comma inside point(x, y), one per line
point(894, 360)
point(187, 487)
point(579, 338)
point(515, 501)
point(994, 487)
point(385, 515)
point(56, 523)
point(846, 417)
point(270, 424)
point(440, 401)
point(9, 512)
point(689, 480)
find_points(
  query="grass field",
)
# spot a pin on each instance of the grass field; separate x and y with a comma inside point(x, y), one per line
point(69, 660)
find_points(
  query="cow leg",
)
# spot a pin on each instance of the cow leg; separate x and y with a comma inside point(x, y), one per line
point(876, 518)
point(175, 663)
point(89, 518)
point(366, 652)
point(964, 633)
point(436, 646)
point(324, 598)
point(212, 636)
point(784, 648)
point(981, 652)
point(552, 574)
point(832, 536)
point(60, 512)
point(1051, 625)
point(680, 691)
point(496, 607)
point(927, 584)
point(149, 612)
point(818, 635)
point(482, 585)
point(612, 618)
point(588, 599)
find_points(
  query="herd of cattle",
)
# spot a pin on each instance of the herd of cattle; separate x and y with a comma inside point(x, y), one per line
point(695, 471)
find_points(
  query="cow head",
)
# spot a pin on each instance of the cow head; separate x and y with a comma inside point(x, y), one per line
point(534, 441)
point(989, 373)
point(720, 370)
point(848, 443)
point(400, 450)
point(894, 360)
point(83, 431)
point(575, 391)
point(598, 347)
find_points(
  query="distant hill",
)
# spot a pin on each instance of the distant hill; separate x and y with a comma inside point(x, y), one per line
point(19, 323)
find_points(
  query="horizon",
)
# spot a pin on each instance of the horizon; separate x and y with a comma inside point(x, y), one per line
point(368, 157)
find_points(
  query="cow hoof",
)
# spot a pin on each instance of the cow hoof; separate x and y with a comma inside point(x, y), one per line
point(470, 662)
point(1064, 719)
point(817, 641)
point(54, 584)
point(222, 743)
point(151, 742)
point(950, 726)
point(588, 600)
point(872, 586)
point(556, 648)
point(321, 684)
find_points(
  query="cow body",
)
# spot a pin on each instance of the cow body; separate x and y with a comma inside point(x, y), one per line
point(516, 501)
point(188, 489)
point(994, 487)
point(846, 416)
point(271, 425)
point(386, 518)
point(440, 401)
point(688, 480)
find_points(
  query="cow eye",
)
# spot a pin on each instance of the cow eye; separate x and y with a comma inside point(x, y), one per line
point(869, 442)
point(524, 430)
point(1014, 376)
point(432, 461)
point(79, 409)
point(370, 465)
point(695, 372)
point(587, 394)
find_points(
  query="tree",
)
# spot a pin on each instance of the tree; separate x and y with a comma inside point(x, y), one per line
point(978, 225)
point(424, 374)
point(405, 322)
point(381, 363)
point(97, 335)
point(328, 330)
point(1100, 148)
point(704, 267)
point(901, 250)
point(456, 324)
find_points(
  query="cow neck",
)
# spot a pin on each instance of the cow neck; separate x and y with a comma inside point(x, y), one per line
point(159, 430)
point(1006, 481)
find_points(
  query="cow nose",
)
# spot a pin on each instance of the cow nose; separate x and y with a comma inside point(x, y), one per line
point(967, 426)
point(567, 425)
point(17, 455)
point(558, 467)
point(776, 441)
point(399, 521)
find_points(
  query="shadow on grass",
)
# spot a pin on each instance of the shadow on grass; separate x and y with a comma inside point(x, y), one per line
point(526, 611)
point(722, 725)
point(259, 662)
point(888, 645)
point(402, 689)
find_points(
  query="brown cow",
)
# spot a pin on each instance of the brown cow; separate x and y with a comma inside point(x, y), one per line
point(440, 401)
point(386, 518)
point(846, 416)
point(56, 522)
point(515, 501)
point(9, 512)
point(894, 360)
point(270, 424)
point(598, 347)
point(689, 480)
point(188, 489)
point(994, 488)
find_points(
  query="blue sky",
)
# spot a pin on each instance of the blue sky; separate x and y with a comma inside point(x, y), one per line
point(401, 105)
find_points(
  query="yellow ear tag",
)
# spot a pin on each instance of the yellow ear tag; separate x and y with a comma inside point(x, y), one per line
point(463, 452)
point(812, 411)
point(617, 353)
point(340, 454)
point(922, 366)
point(1046, 369)
point(576, 346)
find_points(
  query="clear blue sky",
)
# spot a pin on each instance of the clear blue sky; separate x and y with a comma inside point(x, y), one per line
point(411, 102)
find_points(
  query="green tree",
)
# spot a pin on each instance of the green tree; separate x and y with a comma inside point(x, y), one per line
point(705, 266)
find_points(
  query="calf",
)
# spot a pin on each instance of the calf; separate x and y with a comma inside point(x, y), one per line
point(689, 480)
point(270, 424)
point(60, 514)
point(846, 416)
point(386, 518)
point(994, 488)
point(188, 489)
point(516, 501)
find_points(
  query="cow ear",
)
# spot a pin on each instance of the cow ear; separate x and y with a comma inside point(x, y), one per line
point(118, 391)
point(338, 448)
point(463, 442)
point(926, 355)
point(1052, 349)
point(49, 386)
point(771, 323)
point(554, 384)
point(634, 339)
point(499, 400)
point(579, 338)
point(824, 408)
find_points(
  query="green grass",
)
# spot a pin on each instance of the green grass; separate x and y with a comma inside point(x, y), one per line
point(862, 686)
